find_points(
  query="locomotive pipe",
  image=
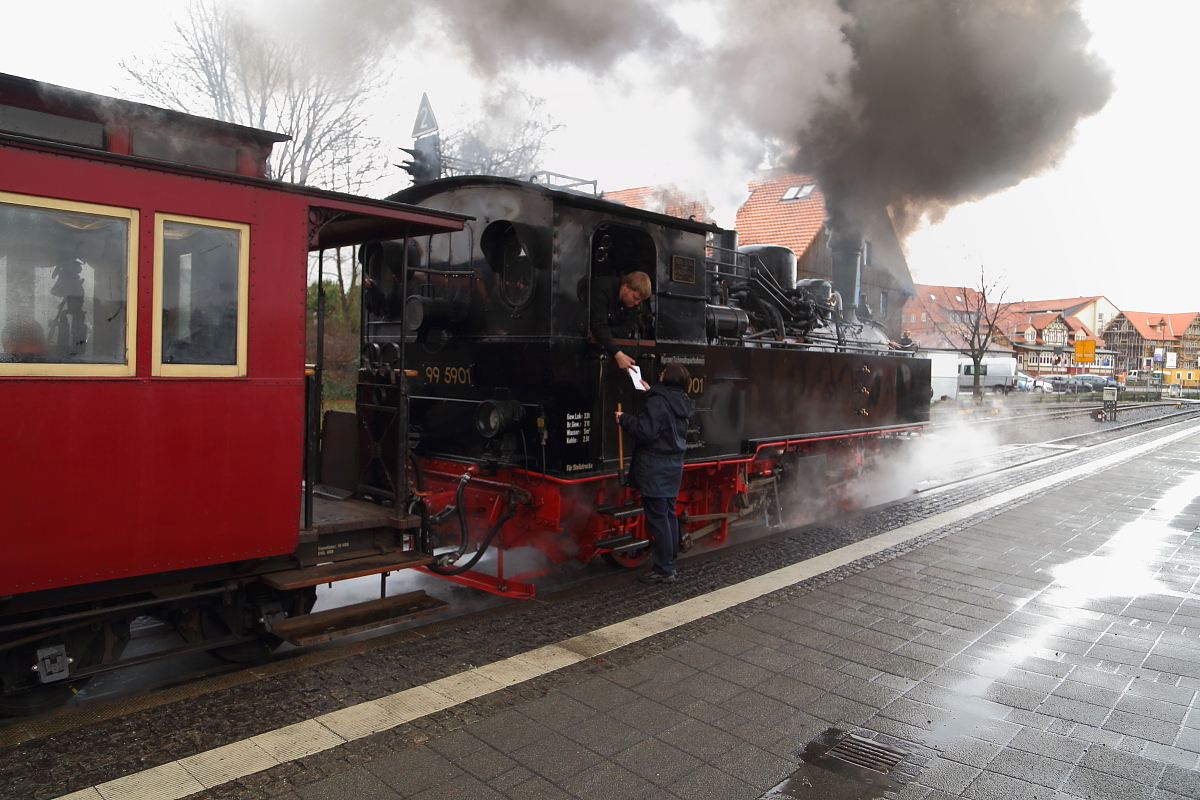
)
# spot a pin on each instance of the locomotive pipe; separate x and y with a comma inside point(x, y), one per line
point(438, 312)
point(487, 541)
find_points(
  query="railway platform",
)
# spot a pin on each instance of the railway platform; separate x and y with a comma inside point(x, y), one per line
point(1038, 637)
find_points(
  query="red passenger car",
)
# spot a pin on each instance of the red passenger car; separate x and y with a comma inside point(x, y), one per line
point(152, 376)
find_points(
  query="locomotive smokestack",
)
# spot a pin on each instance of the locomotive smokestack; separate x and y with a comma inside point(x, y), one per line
point(846, 252)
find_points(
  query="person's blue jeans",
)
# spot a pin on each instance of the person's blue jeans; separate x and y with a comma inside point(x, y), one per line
point(663, 528)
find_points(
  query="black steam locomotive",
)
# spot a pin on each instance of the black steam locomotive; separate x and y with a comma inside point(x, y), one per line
point(507, 400)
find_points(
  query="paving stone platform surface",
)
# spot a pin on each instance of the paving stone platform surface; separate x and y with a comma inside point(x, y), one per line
point(1050, 651)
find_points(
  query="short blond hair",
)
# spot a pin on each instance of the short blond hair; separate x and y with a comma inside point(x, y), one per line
point(639, 282)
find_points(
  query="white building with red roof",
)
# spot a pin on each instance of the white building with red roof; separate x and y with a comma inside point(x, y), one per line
point(1095, 311)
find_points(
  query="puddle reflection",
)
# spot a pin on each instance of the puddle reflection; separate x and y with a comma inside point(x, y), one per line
point(1128, 565)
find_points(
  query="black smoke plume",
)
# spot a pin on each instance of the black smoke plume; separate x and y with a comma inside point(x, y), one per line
point(910, 105)
point(950, 100)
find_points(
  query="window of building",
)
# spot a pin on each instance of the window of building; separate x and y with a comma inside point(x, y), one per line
point(883, 304)
point(67, 287)
point(798, 192)
point(201, 270)
point(924, 317)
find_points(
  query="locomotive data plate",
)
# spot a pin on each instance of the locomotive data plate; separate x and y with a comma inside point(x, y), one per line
point(449, 374)
point(578, 428)
point(683, 269)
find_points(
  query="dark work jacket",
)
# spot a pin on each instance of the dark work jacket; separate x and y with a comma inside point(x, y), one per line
point(660, 434)
point(609, 318)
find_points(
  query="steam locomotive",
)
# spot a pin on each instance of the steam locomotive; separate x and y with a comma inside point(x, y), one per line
point(511, 437)
point(165, 456)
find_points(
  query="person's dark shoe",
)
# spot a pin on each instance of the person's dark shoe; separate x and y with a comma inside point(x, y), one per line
point(655, 577)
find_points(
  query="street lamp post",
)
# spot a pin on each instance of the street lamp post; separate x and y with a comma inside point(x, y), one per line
point(1162, 366)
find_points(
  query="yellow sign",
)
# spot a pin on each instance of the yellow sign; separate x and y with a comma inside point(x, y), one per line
point(1085, 351)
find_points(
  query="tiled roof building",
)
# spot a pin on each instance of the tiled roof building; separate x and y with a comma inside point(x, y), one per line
point(1135, 335)
point(937, 317)
point(668, 199)
point(1095, 311)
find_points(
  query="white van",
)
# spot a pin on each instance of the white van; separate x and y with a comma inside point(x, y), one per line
point(996, 374)
point(942, 374)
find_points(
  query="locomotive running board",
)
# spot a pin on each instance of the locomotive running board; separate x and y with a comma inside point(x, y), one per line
point(619, 512)
point(341, 570)
point(325, 625)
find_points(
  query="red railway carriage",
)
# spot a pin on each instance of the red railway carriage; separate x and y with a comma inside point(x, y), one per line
point(152, 360)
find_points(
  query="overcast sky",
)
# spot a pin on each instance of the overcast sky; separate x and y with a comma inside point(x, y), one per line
point(1114, 218)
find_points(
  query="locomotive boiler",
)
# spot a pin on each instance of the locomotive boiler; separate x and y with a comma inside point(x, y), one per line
point(511, 440)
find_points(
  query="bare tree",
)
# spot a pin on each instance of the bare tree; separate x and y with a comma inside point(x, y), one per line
point(969, 319)
point(508, 138)
point(223, 67)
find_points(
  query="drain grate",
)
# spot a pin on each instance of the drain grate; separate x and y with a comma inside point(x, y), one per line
point(840, 765)
point(866, 753)
point(858, 757)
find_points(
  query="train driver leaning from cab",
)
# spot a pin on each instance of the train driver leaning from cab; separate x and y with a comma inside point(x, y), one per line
point(617, 308)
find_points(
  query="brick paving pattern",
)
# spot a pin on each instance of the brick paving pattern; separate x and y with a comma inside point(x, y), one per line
point(1051, 651)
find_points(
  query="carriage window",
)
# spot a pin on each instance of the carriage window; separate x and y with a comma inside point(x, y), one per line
point(200, 315)
point(66, 287)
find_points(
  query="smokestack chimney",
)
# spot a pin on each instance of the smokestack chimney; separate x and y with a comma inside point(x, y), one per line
point(846, 251)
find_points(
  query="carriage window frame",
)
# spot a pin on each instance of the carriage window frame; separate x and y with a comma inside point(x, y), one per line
point(158, 367)
point(132, 217)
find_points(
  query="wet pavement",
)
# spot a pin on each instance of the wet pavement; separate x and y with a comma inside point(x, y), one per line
point(1045, 648)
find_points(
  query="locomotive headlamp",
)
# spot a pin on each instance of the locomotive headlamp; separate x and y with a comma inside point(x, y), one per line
point(494, 417)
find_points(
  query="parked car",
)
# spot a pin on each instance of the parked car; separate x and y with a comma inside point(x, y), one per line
point(1088, 383)
point(1085, 383)
point(1024, 382)
point(1042, 384)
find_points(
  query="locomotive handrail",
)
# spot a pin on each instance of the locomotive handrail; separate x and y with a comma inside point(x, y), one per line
point(677, 296)
point(446, 273)
point(754, 445)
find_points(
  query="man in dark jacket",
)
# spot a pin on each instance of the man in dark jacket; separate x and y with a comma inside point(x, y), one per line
point(616, 311)
point(660, 434)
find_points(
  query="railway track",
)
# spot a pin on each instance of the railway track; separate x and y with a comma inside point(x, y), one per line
point(151, 686)
point(1014, 442)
